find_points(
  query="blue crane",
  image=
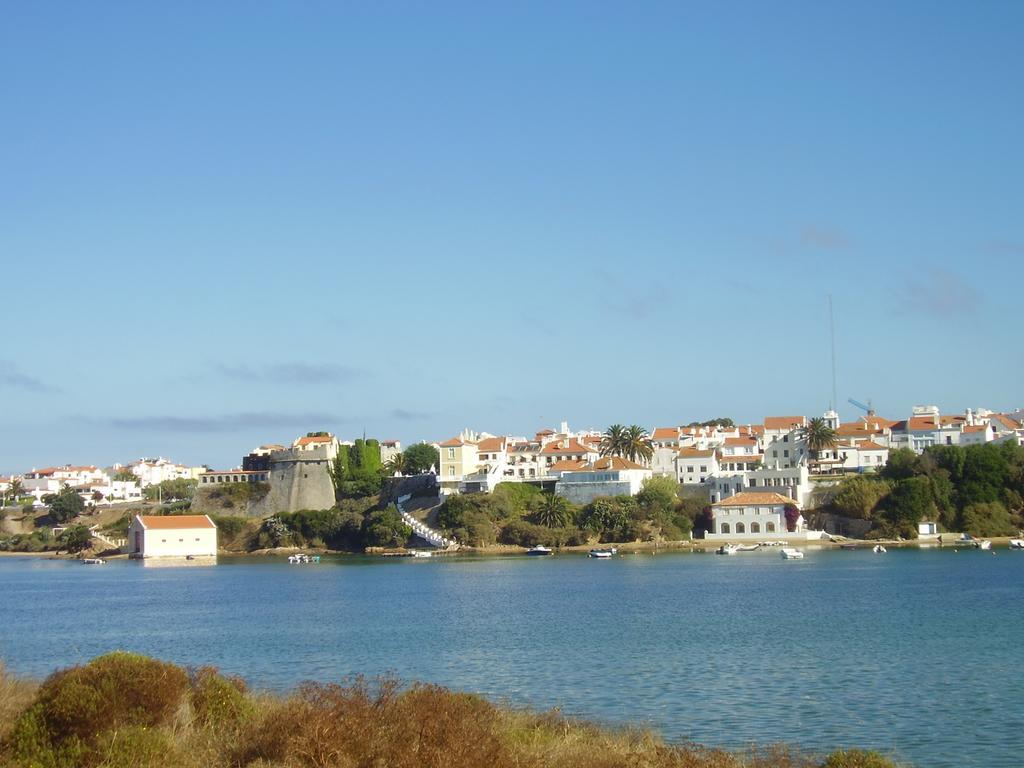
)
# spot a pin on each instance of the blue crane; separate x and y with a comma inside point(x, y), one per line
point(866, 408)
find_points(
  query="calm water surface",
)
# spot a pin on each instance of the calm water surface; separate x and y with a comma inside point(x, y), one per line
point(917, 652)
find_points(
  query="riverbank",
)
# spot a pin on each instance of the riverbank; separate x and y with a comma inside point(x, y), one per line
point(127, 709)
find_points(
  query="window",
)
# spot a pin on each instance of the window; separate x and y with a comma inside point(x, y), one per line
point(725, 528)
point(690, 469)
point(785, 454)
point(180, 540)
point(755, 527)
point(451, 453)
point(703, 469)
point(451, 471)
point(770, 527)
point(197, 538)
point(785, 438)
point(740, 528)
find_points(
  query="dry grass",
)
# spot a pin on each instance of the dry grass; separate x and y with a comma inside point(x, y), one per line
point(16, 695)
point(204, 719)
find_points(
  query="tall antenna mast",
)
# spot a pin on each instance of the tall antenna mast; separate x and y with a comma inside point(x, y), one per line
point(832, 333)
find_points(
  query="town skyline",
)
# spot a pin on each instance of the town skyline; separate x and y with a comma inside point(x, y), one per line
point(237, 447)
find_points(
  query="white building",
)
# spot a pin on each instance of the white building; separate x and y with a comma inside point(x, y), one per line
point(156, 471)
point(793, 482)
point(172, 536)
point(607, 476)
point(752, 515)
point(694, 466)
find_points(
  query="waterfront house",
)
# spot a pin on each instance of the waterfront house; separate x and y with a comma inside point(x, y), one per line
point(172, 536)
point(752, 515)
point(693, 466)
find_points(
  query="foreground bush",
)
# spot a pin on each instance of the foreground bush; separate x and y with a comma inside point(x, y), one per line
point(127, 711)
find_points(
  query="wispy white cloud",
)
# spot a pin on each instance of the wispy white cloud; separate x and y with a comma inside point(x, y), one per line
point(291, 373)
point(225, 423)
point(11, 377)
point(938, 293)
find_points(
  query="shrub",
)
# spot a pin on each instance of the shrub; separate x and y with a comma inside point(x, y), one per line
point(75, 707)
point(218, 701)
point(16, 696)
point(857, 758)
point(137, 746)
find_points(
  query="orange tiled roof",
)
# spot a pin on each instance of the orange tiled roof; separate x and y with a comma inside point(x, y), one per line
point(491, 445)
point(174, 522)
point(753, 498)
point(869, 445)
point(567, 465)
point(695, 453)
point(1006, 421)
point(920, 423)
point(744, 441)
point(574, 446)
point(784, 422)
point(665, 433)
point(975, 428)
point(454, 442)
point(607, 463)
point(317, 439)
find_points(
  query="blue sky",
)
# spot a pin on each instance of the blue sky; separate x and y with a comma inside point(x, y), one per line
point(223, 224)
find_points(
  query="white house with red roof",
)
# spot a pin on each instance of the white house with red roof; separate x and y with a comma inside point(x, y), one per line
point(753, 515)
point(173, 536)
point(693, 466)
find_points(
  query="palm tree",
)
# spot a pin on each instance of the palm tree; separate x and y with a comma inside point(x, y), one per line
point(820, 436)
point(16, 489)
point(395, 465)
point(637, 444)
point(553, 512)
point(613, 442)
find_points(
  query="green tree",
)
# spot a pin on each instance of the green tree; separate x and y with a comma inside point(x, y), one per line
point(613, 442)
point(74, 539)
point(171, 490)
point(638, 444)
point(395, 465)
point(659, 496)
point(903, 463)
point(125, 475)
point(553, 512)
point(385, 528)
point(420, 458)
point(65, 505)
point(910, 502)
point(858, 496)
point(987, 519)
point(820, 436)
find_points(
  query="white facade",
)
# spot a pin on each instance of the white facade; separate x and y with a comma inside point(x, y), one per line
point(156, 471)
point(172, 536)
point(694, 466)
point(752, 515)
point(792, 482)
point(610, 476)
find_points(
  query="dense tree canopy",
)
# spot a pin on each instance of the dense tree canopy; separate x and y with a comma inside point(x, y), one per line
point(420, 458)
point(64, 506)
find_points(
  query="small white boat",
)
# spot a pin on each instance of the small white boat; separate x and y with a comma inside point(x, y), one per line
point(983, 544)
point(539, 550)
point(747, 547)
point(94, 561)
point(422, 553)
point(600, 554)
point(727, 549)
point(1016, 543)
point(301, 559)
point(878, 548)
point(789, 553)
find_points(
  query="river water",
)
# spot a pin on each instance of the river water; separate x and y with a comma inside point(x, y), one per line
point(916, 653)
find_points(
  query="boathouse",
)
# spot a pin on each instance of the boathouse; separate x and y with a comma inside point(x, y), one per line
point(172, 536)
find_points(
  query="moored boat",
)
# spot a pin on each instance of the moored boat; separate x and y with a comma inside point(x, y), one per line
point(540, 550)
point(94, 561)
point(747, 547)
point(1016, 543)
point(601, 554)
point(983, 544)
point(727, 549)
point(878, 548)
point(789, 553)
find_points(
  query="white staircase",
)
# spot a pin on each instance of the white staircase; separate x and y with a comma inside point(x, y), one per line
point(428, 534)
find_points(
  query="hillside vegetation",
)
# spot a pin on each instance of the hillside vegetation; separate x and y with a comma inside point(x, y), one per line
point(978, 489)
